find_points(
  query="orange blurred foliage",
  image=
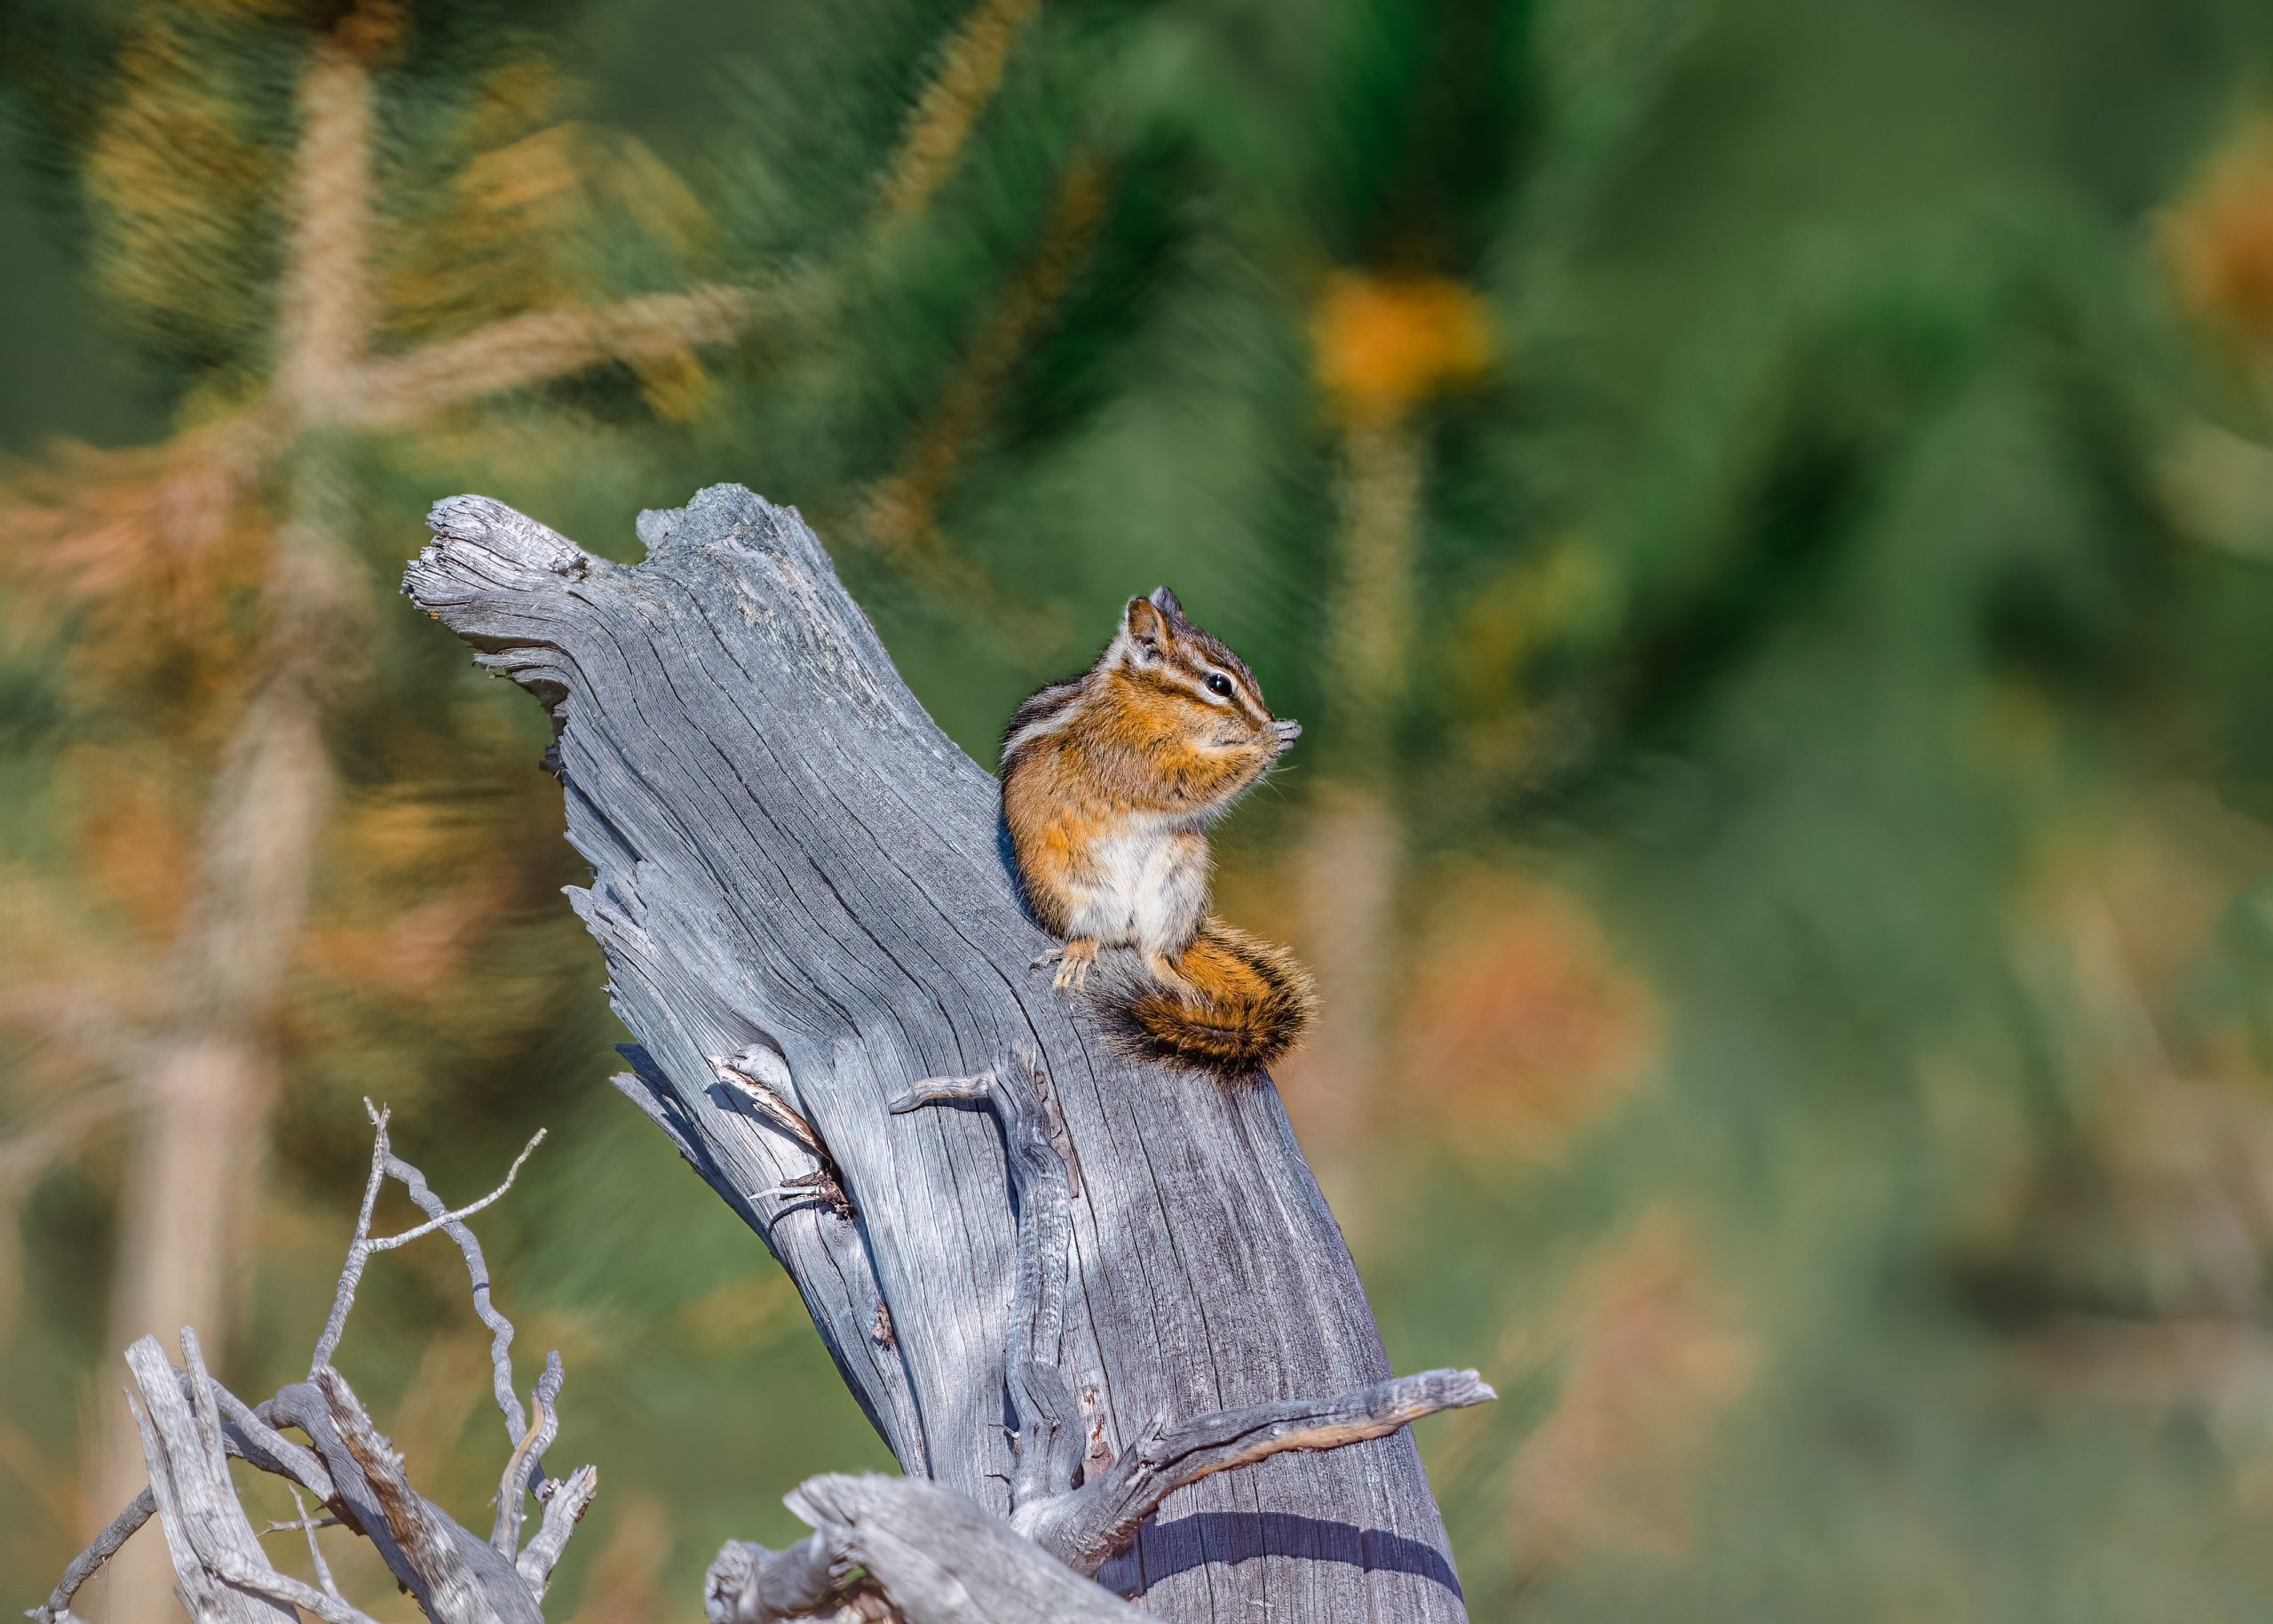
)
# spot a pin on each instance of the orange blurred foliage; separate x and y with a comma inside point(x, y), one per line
point(2219, 240)
point(152, 544)
point(134, 829)
point(627, 1580)
point(1654, 1362)
point(1520, 1026)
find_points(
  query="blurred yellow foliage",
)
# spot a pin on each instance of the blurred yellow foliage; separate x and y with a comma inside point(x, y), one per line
point(902, 511)
point(1537, 599)
point(445, 1399)
point(1385, 344)
point(182, 188)
point(740, 1315)
point(486, 239)
point(507, 233)
point(952, 104)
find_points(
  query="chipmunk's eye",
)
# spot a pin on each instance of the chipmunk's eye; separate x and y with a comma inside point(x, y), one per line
point(1219, 685)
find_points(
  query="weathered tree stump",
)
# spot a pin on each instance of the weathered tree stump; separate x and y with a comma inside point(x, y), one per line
point(799, 888)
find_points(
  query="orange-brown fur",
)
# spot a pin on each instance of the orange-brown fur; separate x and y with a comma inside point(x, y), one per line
point(1109, 781)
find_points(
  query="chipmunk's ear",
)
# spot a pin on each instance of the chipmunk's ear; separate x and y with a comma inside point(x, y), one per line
point(1165, 601)
point(1147, 630)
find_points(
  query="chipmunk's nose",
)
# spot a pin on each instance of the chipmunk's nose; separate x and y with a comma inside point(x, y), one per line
point(1287, 730)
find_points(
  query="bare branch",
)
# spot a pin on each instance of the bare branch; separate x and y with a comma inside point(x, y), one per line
point(384, 1164)
point(455, 1576)
point(206, 1529)
point(818, 1187)
point(309, 1524)
point(301, 1522)
point(445, 1220)
point(243, 1435)
point(513, 1488)
point(748, 1584)
point(85, 1564)
point(254, 1441)
point(501, 1329)
point(762, 1077)
point(265, 1581)
point(190, 1424)
point(1083, 1529)
point(758, 1074)
point(571, 1498)
point(351, 1272)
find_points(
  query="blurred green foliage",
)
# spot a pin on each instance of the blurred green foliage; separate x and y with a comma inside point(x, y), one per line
point(1819, 698)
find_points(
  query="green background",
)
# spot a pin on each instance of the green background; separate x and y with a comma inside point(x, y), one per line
point(1802, 609)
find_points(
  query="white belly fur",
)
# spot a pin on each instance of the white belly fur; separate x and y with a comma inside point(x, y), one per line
point(1146, 888)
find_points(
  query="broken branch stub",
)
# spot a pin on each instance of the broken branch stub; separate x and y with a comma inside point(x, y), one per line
point(791, 860)
point(937, 1557)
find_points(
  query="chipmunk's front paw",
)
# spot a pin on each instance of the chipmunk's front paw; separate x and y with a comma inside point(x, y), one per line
point(1072, 961)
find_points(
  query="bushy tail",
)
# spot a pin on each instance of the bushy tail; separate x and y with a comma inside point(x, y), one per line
point(1249, 1000)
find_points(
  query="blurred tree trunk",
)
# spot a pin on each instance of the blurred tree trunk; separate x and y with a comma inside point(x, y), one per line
point(203, 1130)
point(1385, 344)
point(1353, 848)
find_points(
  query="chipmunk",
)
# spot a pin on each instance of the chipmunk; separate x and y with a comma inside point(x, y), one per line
point(1108, 782)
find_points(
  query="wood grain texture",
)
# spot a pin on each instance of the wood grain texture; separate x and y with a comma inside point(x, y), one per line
point(208, 1535)
point(792, 863)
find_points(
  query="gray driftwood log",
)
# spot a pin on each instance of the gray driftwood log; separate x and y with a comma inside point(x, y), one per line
point(809, 926)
